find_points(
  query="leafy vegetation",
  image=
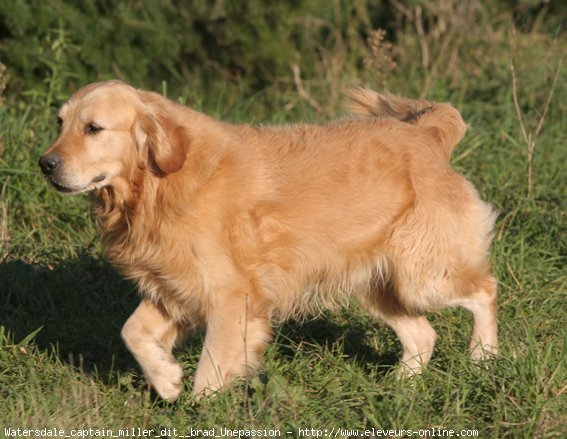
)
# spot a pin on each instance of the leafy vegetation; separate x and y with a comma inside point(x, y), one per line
point(62, 362)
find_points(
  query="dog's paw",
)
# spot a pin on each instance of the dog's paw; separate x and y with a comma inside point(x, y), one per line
point(408, 370)
point(481, 353)
point(168, 381)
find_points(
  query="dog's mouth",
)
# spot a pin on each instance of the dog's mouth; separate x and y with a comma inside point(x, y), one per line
point(64, 188)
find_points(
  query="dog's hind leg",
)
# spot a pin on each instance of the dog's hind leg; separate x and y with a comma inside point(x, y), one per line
point(417, 338)
point(482, 304)
point(413, 330)
point(150, 335)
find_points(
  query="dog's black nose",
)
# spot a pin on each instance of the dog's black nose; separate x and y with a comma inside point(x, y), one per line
point(49, 163)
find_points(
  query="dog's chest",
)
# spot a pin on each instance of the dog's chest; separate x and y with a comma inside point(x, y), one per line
point(167, 272)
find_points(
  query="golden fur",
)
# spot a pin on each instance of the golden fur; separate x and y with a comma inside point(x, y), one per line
point(234, 227)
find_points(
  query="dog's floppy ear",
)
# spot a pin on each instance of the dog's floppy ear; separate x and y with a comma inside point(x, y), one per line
point(166, 142)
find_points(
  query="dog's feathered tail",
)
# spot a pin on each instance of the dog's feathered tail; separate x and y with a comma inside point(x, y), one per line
point(443, 120)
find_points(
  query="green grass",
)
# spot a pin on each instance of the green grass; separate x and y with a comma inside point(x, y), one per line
point(62, 362)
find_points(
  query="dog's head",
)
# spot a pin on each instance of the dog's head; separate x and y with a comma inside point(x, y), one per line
point(107, 129)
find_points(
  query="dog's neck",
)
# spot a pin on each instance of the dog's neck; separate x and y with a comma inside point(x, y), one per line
point(115, 206)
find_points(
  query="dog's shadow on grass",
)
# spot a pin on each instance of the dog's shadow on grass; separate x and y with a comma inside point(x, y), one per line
point(77, 308)
point(80, 305)
point(349, 337)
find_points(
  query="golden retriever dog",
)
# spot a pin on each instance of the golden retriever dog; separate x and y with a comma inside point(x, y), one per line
point(233, 228)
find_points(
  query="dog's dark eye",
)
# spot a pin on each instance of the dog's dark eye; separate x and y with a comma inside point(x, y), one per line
point(92, 128)
point(59, 122)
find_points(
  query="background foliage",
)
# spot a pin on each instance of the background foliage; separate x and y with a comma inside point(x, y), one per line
point(202, 46)
point(62, 362)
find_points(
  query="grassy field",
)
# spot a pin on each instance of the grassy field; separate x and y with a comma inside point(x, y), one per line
point(62, 363)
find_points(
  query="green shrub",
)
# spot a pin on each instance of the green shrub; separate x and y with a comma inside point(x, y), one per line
point(235, 47)
point(249, 43)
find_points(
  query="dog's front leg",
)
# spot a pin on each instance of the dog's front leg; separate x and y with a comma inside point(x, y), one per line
point(234, 343)
point(150, 335)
